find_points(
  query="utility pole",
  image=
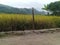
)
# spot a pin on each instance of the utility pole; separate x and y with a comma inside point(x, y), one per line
point(33, 18)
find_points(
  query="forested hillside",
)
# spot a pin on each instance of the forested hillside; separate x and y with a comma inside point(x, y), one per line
point(9, 9)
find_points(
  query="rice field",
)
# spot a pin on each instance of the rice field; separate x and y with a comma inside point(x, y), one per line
point(14, 22)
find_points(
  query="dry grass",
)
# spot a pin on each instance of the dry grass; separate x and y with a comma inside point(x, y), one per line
point(11, 22)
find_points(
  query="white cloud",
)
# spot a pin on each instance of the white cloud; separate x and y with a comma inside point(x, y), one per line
point(26, 3)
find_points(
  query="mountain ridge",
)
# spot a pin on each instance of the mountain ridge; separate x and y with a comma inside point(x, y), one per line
point(9, 9)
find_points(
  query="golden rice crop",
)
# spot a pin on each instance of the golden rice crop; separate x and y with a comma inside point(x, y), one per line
point(14, 22)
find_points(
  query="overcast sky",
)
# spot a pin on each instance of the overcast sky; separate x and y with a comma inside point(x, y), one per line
point(38, 4)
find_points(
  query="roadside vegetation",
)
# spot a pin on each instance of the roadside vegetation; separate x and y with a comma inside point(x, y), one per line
point(18, 22)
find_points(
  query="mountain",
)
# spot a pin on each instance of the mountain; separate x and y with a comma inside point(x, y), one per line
point(9, 9)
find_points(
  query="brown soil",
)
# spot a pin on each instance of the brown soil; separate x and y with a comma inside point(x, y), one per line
point(33, 39)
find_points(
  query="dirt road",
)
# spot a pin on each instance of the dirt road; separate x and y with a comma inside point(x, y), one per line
point(33, 39)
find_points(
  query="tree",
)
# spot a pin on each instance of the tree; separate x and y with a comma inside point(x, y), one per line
point(53, 7)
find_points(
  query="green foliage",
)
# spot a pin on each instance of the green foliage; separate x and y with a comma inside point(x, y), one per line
point(45, 7)
point(53, 7)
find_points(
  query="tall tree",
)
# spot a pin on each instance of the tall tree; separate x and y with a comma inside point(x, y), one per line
point(53, 7)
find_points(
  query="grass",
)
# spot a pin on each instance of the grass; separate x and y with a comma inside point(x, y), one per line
point(14, 22)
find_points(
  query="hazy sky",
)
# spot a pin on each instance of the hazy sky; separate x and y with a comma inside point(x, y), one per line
point(38, 4)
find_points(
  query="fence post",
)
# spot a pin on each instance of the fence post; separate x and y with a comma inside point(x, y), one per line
point(33, 18)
